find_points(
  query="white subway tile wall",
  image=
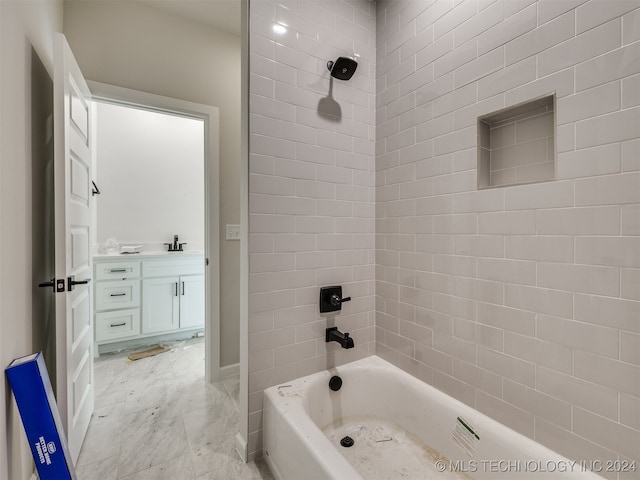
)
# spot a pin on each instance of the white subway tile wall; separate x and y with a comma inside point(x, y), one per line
point(312, 191)
point(522, 301)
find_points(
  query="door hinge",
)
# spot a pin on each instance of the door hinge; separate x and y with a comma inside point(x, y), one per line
point(206, 262)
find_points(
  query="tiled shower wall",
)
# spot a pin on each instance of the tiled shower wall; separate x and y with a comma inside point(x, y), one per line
point(312, 173)
point(521, 301)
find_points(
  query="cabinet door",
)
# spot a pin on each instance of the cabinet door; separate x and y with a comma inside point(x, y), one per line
point(192, 301)
point(160, 304)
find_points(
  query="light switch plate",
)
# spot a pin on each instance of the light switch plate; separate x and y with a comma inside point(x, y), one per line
point(233, 232)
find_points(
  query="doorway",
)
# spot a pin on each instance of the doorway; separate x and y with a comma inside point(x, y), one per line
point(184, 205)
point(148, 219)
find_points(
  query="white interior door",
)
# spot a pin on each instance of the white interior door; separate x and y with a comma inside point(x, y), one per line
point(72, 178)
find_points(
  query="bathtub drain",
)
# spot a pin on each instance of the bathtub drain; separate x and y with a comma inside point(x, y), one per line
point(347, 442)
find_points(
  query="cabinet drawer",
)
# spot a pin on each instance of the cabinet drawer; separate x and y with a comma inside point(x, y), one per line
point(117, 294)
point(112, 326)
point(117, 270)
point(173, 267)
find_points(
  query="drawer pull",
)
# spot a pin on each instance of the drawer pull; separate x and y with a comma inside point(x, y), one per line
point(119, 324)
point(118, 294)
point(117, 270)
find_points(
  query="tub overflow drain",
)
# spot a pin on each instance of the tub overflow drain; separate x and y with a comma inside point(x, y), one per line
point(335, 383)
point(347, 442)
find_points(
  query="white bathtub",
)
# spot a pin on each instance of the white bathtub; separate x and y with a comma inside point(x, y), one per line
point(403, 428)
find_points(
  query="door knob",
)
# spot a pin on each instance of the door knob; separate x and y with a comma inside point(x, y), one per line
point(73, 282)
point(56, 285)
point(51, 283)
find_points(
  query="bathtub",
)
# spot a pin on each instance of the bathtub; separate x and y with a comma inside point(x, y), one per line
point(401, 428)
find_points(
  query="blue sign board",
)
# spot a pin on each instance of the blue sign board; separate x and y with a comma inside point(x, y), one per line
point(32, 390)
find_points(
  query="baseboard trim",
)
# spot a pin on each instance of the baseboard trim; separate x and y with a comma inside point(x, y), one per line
point(229, 371)
point(241, 447)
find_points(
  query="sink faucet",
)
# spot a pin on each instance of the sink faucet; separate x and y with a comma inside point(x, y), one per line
point(334, 335)
point(175, 246)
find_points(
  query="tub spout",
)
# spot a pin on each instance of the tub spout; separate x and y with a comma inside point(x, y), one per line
point(334, 335)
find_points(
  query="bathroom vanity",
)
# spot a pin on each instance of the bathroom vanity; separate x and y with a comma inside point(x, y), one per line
point(147, 294)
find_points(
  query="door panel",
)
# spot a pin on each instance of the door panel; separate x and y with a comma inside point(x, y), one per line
point(81, 383)
point(81, 317)
point(80, 258)
point(79, 180)
point(79, 110)
point(72, 175)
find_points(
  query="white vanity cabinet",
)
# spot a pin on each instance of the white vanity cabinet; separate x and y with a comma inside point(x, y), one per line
point(148, 295)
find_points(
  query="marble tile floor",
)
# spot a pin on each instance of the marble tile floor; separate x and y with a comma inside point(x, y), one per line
point(157, 418)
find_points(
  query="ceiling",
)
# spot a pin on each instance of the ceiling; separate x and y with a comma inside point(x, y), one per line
point(220, 14)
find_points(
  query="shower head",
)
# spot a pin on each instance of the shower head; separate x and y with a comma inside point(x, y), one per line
point(343, 68)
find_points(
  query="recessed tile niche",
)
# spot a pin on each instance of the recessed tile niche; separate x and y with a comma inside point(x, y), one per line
point(517, 145)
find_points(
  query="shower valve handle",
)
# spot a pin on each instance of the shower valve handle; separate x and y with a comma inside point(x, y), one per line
point(336, 300)
point(331, 299)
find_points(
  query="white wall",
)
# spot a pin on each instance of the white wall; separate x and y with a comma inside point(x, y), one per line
point(150, 171)
point(23, 26)
point(521, 301)
point(133, 45)
point(311, 189)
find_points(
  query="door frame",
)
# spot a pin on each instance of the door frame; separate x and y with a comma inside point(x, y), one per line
point(210, 115)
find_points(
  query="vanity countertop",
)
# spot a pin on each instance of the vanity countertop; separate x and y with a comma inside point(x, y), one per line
point(148, 254)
